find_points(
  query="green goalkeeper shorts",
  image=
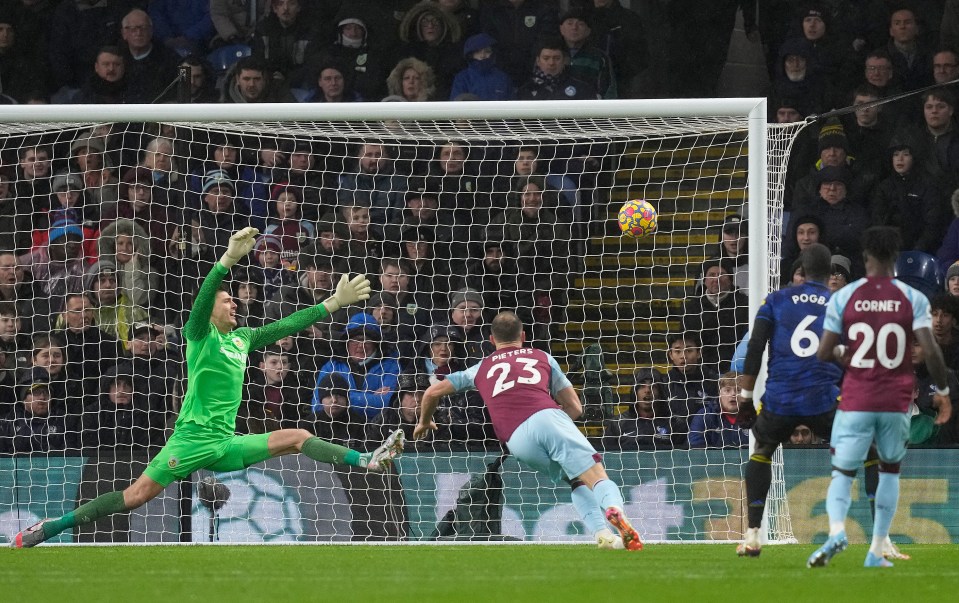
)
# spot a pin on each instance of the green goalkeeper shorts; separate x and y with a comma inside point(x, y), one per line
point(191, 449)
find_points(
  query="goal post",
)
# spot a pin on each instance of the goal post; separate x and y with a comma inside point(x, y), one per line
point(573, 279)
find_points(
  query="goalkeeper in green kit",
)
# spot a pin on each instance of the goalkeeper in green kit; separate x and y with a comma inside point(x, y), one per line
point(203, 438)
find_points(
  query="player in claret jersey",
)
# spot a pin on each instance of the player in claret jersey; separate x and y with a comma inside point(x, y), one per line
point(869, 329)
point(532, 406)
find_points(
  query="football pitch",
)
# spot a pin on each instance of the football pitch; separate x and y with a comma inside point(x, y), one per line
point(341, 574)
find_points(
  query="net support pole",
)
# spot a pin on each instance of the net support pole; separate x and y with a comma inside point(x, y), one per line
point(758, 250)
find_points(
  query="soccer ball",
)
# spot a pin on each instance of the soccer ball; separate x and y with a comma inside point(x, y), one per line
point(637, 218)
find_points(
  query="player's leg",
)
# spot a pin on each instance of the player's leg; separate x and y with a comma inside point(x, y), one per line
point(291, 441)
point(610, 499)
point(769, 431)
point(852, 434)
point(549, 442)
point(892, 434)
point(588, 509)
point(136, 495)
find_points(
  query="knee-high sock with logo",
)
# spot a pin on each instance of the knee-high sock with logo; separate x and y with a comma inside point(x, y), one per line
point(101, 506)
point(838, 499)
point(887, 499)
point(607, 494)
point(587, 506)
point(327, 452)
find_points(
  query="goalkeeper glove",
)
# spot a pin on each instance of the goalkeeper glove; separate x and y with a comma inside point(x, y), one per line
point(241, 243)
point(348, 292)
point(746, 417)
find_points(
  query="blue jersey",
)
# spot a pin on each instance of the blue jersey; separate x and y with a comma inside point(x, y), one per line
point(798, 383)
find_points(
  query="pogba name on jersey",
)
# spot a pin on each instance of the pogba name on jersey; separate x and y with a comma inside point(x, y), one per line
point(808, 298)
point(876, 305)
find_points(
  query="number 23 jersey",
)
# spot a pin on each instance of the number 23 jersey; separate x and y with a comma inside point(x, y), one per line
point(876, 317)
point(798, 383)
point(515, 383)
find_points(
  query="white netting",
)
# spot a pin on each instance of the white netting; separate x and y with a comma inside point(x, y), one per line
point(604, 305)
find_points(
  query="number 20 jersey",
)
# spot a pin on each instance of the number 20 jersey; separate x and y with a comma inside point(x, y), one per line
point(876, 317)
point(798, 383)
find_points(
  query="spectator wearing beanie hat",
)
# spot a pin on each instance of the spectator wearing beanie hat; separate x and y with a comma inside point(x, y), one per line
point(67, 201)
point(469, 330)
point(587, 61)
point(952, 280)
point(833, 152)
point(840, 274)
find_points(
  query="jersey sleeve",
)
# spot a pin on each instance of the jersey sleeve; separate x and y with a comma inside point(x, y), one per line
point(464, 380)
point(289, 325)
point(921, 312)
point(833, 319)
point(767, 309)
point(198, 324)
point(558, 381)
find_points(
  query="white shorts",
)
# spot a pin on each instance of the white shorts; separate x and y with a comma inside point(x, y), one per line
point(549, 442)
point(853, 432)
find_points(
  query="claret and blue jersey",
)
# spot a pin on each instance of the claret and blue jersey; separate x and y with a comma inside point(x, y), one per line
point(876, 318)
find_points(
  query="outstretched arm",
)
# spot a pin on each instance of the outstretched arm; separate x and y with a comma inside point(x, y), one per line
point(198, 324)
point(348, 291)
point(431, 398)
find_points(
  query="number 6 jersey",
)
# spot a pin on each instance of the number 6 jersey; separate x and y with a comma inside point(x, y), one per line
point(876, 317)
point(515, 383)
point(798, 384)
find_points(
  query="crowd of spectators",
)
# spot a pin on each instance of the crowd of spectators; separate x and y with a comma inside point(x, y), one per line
point(104, 248)
point(105, 235)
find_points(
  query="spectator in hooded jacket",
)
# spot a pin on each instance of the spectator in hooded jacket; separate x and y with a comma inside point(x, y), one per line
point(481, 77)
point(433, 36)
point(369, 367)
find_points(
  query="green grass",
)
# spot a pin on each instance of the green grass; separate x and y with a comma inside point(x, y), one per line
point(348, 574)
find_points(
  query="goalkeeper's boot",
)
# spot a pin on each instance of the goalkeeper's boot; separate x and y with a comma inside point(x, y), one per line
point(835, 544)
point(380, 459)
point(751, 545)
point(30, 537)
point(605, 539)
point(873, 560)
point(891, 551)
point(616, 517)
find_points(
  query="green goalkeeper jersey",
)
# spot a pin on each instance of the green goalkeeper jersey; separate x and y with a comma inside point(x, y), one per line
point(216, 362)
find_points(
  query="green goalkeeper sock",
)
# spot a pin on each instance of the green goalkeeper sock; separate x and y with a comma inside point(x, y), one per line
point(327, 452)
point(101, 506)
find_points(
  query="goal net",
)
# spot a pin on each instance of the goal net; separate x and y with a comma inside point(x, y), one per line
point(112, 216)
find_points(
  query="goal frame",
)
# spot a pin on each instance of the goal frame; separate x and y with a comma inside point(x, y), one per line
point(753, 110)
